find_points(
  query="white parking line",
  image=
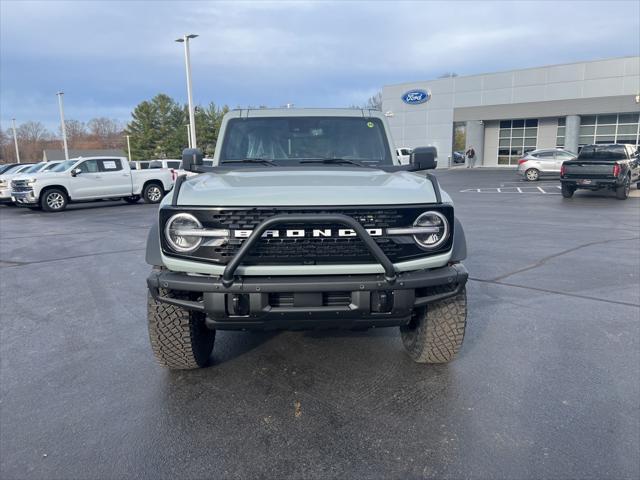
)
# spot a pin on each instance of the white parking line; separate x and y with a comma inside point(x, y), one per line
point(547, 190)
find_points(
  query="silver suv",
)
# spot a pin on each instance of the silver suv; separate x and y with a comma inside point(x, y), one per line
point(547, 161)
point(306, 220)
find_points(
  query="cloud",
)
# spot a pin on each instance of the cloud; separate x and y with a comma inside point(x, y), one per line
point(110, 55)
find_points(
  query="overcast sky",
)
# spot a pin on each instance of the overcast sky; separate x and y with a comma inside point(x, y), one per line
point(108, 56)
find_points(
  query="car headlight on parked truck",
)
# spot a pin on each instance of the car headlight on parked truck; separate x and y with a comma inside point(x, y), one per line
point(181, 232)
point(439, 225)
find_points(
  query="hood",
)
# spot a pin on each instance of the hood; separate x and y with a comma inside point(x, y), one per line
point(306, 187)
point(27, 176)
point(11, 176)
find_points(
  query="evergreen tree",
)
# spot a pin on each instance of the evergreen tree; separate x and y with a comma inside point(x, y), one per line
point(158, 128)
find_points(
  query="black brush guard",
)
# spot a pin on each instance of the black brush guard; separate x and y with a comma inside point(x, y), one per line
point(211, 295)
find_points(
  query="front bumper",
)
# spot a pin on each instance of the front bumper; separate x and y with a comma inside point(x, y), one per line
point(307, 301)
point(24, 198)
point(5, 195)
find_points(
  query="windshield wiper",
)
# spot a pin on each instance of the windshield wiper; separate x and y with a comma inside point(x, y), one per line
point(262, 161)
point(334, 161)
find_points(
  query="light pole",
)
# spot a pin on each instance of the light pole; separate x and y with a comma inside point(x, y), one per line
point(189, 134)
point(187, 61)
point(15, 139)
point(129, 147)
point(62, 125)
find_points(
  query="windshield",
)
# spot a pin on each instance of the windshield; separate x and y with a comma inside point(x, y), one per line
point(13, 169)
point(290, 140)
point(604, 152)
point(22, 169)
point(61, 167)
point(49, 166)
point(35, 168)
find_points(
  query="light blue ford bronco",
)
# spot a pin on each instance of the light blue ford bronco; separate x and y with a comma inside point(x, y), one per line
point(306, 220)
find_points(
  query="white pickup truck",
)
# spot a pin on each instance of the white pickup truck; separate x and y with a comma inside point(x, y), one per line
point(86, 179)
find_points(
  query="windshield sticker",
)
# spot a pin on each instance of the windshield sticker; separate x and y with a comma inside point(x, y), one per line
point(370, 124)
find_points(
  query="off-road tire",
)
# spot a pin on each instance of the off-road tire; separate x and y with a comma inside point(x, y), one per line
point(532, 175)
point(622, 192)
point(179, 338)
point(567, 191)
point(152, 192)
point(435, 333)
point(132, 199)
point(53, 200)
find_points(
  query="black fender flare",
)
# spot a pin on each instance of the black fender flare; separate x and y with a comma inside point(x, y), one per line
point(459, 252)
point(153, 254)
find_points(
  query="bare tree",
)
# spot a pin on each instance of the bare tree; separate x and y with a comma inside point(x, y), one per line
point(103, 127)
point(375, 102)
point(106, 133)
point(4, 146)
point(32, 138)
point(76, 132)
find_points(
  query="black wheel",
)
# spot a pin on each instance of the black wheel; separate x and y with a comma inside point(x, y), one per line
point(152, 193)
point(622, 192)
point(567, 191)
point(532, 175)
point(435, 333)
point(132, 199)
point(180, 340)
point(54, 200)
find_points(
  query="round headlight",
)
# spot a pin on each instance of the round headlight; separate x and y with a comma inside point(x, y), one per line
point(175, 232)
point(433, 240)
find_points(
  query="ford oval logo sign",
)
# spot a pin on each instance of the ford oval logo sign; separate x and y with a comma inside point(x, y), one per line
point(416, 97)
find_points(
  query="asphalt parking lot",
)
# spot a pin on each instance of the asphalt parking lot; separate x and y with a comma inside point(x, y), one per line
point(547, 384)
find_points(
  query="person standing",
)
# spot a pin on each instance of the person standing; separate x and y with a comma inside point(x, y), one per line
point(471, 157)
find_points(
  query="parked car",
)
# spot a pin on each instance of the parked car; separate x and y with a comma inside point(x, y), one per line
point(6, 166)
point(546, 161)
point(175, 166)
point(275, 238)
point(612, 166)
point(91, 178)
point(139, 164)
point(458, 157)
point(5, 180)
point(41, 167)
point(404, 154)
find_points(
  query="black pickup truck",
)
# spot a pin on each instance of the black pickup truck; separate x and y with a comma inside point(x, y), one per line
point(611, 166)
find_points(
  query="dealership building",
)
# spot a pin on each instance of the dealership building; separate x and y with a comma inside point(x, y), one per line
point(507, 114)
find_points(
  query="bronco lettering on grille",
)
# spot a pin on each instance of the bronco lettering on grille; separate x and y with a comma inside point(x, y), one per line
point(302, 233)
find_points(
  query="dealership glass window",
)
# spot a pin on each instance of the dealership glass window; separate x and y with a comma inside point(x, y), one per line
point(609, 128)
point(628, 118)
point(516, 138)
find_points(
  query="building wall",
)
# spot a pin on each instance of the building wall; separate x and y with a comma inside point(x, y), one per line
point(491, 130)
point(545, 93)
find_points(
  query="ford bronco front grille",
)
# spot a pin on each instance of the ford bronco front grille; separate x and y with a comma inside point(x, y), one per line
point(307, 250)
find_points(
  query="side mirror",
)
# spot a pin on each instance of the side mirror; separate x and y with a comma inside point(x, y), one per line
point(424, 158)
point(191, 159)
point(75, 172)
